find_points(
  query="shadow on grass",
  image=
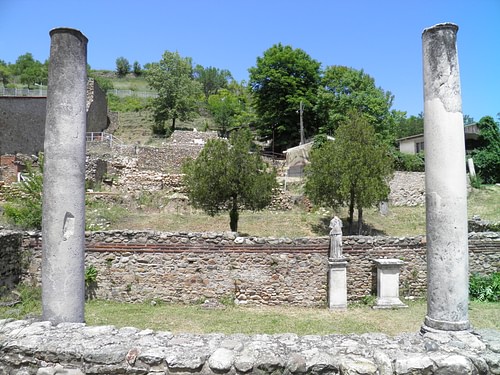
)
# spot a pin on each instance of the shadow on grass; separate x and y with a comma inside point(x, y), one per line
point(322, 228)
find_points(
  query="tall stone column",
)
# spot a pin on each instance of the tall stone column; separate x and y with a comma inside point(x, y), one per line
point(445, 183)
point(63, 223)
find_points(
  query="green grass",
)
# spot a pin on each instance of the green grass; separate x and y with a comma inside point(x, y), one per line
point(178, 318)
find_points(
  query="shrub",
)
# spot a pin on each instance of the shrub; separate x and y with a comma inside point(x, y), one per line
point(409, 162)
point(24, 207)
point(485, 288)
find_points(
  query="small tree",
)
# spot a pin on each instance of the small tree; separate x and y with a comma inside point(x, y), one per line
point(352, 170)
point(137, 69)
point(122, 67)
point(229, 177)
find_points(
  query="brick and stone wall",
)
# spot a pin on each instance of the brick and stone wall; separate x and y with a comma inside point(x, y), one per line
point(191, 267)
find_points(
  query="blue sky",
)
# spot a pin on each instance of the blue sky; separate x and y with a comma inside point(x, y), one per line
point(382, 37)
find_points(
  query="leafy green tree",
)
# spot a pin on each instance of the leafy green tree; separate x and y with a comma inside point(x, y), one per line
point(23, 62)
point(407, 127)
point(30, 71)
point(344, 90)
point(487, 156)
point(24, 209)
point(352, 170)
point(229, 177)
point(122, 67)
point(178, 93)
point(5, 72)
point(212, 79)
point(136, 69)
point(225, 108)
point(282, 78)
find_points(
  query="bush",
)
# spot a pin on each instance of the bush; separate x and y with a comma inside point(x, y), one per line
point(485, 288)
point(409, 162)
point(24, 207)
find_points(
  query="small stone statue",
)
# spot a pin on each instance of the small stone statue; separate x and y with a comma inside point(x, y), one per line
point(336, 238)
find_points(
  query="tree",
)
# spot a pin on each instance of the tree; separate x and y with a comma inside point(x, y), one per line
point(407, 127)
point(137, 69)
point(352, 170)
point(228, 177)
point(487, 156)
point(30, 71)
point(122, 67)
point(282, 78)
point(212, 79)
point(5, 73)
point(225, 108)
point(344, 90)
point(178, 92)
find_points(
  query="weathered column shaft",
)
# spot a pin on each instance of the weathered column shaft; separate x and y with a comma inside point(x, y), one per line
point(63, 224)
point(445, 183)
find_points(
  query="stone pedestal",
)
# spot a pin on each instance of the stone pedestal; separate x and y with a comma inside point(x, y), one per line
point(388, 284)
point(445, 183)
point(337, 283)
point(63, 220)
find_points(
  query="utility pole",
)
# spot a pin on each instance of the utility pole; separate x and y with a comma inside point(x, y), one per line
point(301, 111)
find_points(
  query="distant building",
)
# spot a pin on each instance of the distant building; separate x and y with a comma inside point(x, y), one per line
point(415, 143)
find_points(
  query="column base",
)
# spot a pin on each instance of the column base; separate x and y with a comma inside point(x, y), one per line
point(389, 303)
point(439, 326)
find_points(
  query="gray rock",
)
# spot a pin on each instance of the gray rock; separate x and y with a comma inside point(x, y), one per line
point(221, 360)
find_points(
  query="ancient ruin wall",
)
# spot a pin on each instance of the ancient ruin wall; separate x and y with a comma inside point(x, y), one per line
point(40, 348)
point(137, 266)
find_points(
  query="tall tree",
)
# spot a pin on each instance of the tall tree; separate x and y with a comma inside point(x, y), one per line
point(344, 90)
point(283, 78)
point(352, 170)
point(178, 92)
point(5, 72)
point(229, 176)
point(212, 79)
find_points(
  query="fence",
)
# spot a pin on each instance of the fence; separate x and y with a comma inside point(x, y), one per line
point(140, 94)
point(5, 91)
point(110, 139)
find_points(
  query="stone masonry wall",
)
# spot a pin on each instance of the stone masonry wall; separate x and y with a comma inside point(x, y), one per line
point(11, 255)
point(407, 189)
point(29, 348)
point(191, 267)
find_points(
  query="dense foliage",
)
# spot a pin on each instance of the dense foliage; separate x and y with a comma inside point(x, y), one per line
point(353, 170)
point(344, 90)
point(282, 79)
point(485, 288)
point(122, 67)
point(212, 79)
point(229, 176)
point(487, 156)
point(178, 93)
point(24, 208)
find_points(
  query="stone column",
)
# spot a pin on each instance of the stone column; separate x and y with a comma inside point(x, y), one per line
point(337, 284)
point(445, 183)
point(63, 223)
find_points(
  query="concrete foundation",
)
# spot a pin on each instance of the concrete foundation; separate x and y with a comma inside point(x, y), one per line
point(63, 224)
point(445, 179)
